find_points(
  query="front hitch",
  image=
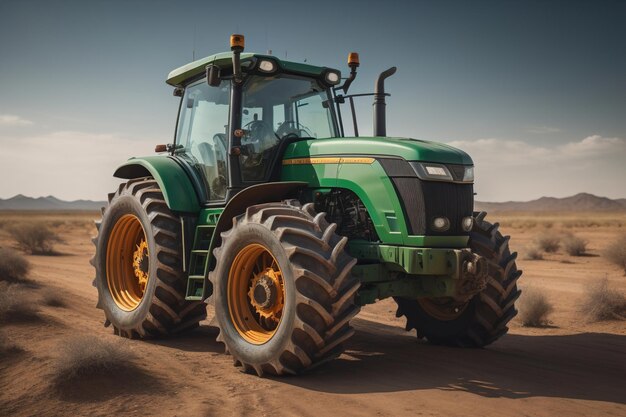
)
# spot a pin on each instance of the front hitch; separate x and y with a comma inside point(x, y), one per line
point(473, 274)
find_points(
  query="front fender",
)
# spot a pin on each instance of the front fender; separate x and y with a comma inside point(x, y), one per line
point(174, 182)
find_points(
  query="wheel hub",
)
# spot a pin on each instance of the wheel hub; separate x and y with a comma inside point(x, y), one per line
point(140, 263)
point(266, 294)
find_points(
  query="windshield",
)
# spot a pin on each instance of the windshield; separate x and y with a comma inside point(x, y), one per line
point(276, 109)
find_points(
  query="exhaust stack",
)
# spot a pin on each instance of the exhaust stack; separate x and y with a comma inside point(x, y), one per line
point(380, 123)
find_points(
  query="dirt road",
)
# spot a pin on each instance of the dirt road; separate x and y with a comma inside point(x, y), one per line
point(569, 369)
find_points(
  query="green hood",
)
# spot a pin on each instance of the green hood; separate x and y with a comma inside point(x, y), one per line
point(409, 149)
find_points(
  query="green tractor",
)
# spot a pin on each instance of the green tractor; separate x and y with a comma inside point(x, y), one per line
point(263, 208)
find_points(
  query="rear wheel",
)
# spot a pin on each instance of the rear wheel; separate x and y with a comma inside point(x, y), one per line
point(481, 320)
point(283, 291)
point(138, 262)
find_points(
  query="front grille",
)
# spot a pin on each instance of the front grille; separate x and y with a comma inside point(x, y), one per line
point(422, 201)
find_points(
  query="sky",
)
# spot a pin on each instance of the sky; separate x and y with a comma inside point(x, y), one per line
point(534, 91)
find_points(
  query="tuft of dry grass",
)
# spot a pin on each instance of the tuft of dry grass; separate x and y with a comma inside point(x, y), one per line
point(548, 242)
point(534, 254)
point(57, 223)
point(85, 358)
point(35, 238)
point(15, 306)
point(534, 308)
point(574, 245)
point(602, 302)
point(616, 252)
point(13, 266)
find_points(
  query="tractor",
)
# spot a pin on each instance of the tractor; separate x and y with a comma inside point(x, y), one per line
point(263, 208)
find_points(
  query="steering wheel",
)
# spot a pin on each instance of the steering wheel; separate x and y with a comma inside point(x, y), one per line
point(258, 131)
point(292, 129)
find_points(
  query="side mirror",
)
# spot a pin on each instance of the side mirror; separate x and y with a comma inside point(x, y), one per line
point(213, 75)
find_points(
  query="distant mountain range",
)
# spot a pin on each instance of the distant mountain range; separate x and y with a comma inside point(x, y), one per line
point(578, 202)
point(50, 203)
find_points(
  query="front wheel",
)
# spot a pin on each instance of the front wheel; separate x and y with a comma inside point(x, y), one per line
point(481, 320)
point(283, 289)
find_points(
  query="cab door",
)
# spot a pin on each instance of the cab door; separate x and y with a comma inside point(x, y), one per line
point(201, 135)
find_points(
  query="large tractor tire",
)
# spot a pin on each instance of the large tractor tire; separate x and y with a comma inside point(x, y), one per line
point(139, 270)
point(484, 318)
point(283, 289)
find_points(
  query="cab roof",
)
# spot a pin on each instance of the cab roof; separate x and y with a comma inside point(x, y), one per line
point(181, 75)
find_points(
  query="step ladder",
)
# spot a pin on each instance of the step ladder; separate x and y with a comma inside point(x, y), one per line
point(199, 262)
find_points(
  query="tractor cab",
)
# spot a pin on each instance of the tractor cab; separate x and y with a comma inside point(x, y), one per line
point(237, 118)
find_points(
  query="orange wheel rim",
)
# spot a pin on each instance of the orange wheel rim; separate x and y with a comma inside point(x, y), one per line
point(127, 262)
point(256, 294)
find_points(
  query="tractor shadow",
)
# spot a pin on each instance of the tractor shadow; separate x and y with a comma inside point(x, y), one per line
point(382, 358)
point(200, 339)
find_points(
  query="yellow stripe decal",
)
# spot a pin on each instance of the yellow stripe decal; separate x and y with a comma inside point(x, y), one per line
point(328, 160)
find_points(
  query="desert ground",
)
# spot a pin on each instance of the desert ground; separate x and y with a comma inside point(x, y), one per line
point(570, 367)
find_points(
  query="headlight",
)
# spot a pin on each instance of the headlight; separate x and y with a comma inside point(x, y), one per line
point(333, 77)
point(441, 224)
point(468, 175)
point(267, 66)
point(432, 172)
point(467, 223)
point(428, 171)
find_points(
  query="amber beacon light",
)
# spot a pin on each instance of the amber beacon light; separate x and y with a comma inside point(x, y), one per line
point(237, 42)
point(353, 59)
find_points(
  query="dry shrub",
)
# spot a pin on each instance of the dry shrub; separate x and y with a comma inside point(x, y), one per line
point(57, 223)
point(587, 223)
point(616, 252)
point(13, 266)
point(15, 306)
point(534, 254)
point(574, 245)
point(603, 303)
point(534, 308)
point(526, 224)
point(35, 238)
point(548, 243)
point(53, 300)
point(84, 358)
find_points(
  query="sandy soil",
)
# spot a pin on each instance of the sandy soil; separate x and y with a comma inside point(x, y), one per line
point(571, 368)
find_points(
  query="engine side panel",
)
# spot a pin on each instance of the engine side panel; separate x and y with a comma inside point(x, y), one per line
point(367, 180)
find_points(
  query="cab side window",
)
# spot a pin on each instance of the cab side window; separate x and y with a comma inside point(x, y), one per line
point(201, 133)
